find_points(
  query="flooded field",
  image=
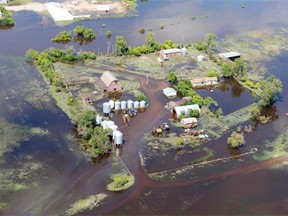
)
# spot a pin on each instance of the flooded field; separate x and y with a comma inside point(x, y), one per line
point(43, 171)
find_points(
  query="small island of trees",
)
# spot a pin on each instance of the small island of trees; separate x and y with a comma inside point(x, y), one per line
point(6, 18)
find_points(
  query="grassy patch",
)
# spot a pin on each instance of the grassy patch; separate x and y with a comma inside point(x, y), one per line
point(86, 204)
point(120, 181)
point(257, 47)
point(3, 206)
point(274, 148)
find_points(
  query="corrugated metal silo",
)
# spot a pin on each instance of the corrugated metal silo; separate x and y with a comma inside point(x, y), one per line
point(99, 119)
point(142, 104)
point(123, 105)
point(106, 108)
point(118, 137)
point(117, 105)
point(130, 104)
point(136, 104)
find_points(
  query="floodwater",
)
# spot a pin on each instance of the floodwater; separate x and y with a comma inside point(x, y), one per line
point(59, 174)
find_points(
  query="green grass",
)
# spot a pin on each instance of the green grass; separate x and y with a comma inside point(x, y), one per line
point(120, 181)
point(86, 204)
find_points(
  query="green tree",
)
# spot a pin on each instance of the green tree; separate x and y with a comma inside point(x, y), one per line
point(212, 74)
point(79, 31)
point(210, 40)
point(87, 55)
point(227, 70)
point(200, 46)
point(172, 77)
point(194, 113)
point(185, 88)
point(89, 34)
point(70, 101)
point(32, 54)
point(236, 140)
point(108, 34)
point(141, 97)
point(169, 44)
point(239, 68)
point(197, 99)
point(100, 140)
point(152, 43)
point(63, 36)
point(255, 111)
point(270, 88)
point(7, 19)
point(82, 32)
point(120, 45)
point(142, 30)
point(87, 119)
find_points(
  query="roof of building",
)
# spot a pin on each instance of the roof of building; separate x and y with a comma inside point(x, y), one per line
point(169, 91)
point(57, 12)
point(168, 51)
point(185, 109)
point(189, 120)
point(107, 78)
point(228, 55)
point(204, 79)
point(103, 7)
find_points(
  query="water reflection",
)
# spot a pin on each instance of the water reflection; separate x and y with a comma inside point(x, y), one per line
point(229, 95)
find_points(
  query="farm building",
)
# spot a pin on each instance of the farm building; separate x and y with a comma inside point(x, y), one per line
point(229, 55)
point(189, 122)
point(3, 1)
point(105, 8)
point(57, 12)
point(204, 81)
point(109, 83)
point(185, 110)
point(169, 92)
point(173, 104)
point(166, 54)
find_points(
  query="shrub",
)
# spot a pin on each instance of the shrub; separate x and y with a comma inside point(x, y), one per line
point(212, 73)
point(141, 97)
point(108, 34)
point(70, 101)
point(142, 30)
point(236, 139)
point(63, 36)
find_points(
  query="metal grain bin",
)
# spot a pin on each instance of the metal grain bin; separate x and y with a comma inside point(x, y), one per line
point(142, 104)
point(123, 105)
point(136, 104)
point(113, 127)
point(117, 105)
point(99, 119)
point(106, 108)
point(118, 137)
point(111, 102)
point(130, 104)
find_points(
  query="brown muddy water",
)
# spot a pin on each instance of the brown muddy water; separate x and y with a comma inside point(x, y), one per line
point(46, 174)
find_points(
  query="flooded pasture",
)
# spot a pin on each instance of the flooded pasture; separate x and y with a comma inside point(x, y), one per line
point(43, 172)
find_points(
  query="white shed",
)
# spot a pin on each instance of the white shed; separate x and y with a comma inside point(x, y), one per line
point(105, 8)
point(169, 92)
point(186, 109)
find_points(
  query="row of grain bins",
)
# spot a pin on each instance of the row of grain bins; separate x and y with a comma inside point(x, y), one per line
point(108, 124)
point(122, 105)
